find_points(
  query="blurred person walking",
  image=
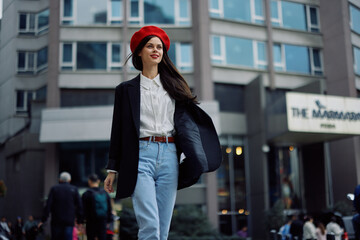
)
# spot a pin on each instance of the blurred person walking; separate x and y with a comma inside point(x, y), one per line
point(320, 231)
point(4, 228)
point(18, 226)
point(309, 230)
point(334, 228)
point(64, 205)
point(97, 209)
point(356, 217)
point(296, 228)
point(157, 124)
point(30, 228)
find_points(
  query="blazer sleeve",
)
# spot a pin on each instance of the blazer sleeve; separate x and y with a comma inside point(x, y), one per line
point(115, 140)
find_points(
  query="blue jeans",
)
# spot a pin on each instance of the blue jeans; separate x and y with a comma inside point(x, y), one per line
point(155, 191)
point(59, 232)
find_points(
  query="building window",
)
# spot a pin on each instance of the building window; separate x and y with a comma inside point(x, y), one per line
point(83, 159)
point(33, 23)
point(238, 10)
point(90, 56)
point(357, 60)
point(297, 59)
point(235, 51)
point(32, 62)
point(181, 54)
point(140, 12)
point(235, 103)
point(295, 16)
point(116, 10)
point(232, 207)
point(23, 99)
point(355, 18)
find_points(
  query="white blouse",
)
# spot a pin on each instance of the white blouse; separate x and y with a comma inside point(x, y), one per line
point(156, 108)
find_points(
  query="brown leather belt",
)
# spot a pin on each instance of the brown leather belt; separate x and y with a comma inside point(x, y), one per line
point(159, 139)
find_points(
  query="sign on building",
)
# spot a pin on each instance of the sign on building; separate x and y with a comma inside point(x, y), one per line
point(322, 114)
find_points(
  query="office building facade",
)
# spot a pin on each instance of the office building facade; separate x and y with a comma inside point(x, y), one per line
point(61, 60)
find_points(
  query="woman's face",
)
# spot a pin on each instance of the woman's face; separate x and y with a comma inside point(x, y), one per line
point(152, 52)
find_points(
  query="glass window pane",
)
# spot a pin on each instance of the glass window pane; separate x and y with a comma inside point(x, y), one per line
point(32, 21)
point(294, 15)
point(21, 60)
point(116, 8)
point(297, 59)
point(274, 9)
point(20, 99)
point(355, 18)
point(237, 10)
point(91, 12)
point(214, 4)
point(22, 21)
point(184, 6)
point(116, 56)
point(91, 55)
point(357, 60)
point(42, 57)
point(134, 8)
point(68, 8)
point(277, 53)
point(259, 7)
point(313, 16)
point(185, 51)
point(239, 51)
point(172, 53)
point(31, 60)
point(159, 11)
point(216, 48)
point(67, 52)
point(43, 19)
point(227, 104)
point(317, 59)
point(261, 51)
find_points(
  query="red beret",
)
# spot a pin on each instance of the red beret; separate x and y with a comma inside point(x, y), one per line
point(147, 31)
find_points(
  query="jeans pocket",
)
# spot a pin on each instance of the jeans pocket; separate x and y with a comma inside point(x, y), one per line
point(143, 145)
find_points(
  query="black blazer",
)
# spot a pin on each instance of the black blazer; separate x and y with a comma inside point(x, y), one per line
point(195, 136)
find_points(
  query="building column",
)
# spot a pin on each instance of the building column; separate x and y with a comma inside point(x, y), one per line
point(204, 88)
point(340, 81)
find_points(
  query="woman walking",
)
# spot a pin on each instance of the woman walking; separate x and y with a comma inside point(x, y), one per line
point(156, 123)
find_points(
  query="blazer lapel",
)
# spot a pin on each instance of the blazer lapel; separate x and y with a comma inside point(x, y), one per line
point(134, 98)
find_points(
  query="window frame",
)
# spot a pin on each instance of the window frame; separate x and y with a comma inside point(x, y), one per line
point(313, 68)
point(178, 19)
point(356, 64)
point(219, 10)
point(27, 69)
point(309, 25)
point(178, 55)
point(113, 20)
point(254, 17)
point(28, 30)
point(351, 17)
point(25, 103)
point(259, 64)
point(113, 66)
point(72, 19)
point(222, 56)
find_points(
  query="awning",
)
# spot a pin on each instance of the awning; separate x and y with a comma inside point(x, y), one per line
point(92, 123)
point(76, 124)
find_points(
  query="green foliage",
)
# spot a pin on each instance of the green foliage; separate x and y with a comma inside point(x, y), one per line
point(275, 216)
point(190, 222)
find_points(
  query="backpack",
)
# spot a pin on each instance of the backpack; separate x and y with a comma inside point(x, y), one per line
point(101, 203)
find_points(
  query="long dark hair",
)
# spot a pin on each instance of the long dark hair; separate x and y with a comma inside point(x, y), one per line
point(172, 81)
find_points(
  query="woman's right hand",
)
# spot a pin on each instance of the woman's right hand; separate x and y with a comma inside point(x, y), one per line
point(108, 183)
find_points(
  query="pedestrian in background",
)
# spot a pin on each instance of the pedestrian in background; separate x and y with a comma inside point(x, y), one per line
point(296, 228)
point(285, 229)
point(152, 112)
point(320, 231)
point(4, 228)
point(97, 209)
point(30, 228)
point(18, 226)
point(356, 217)
point(64, 205)
point(334, 228)
point(309, 230)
